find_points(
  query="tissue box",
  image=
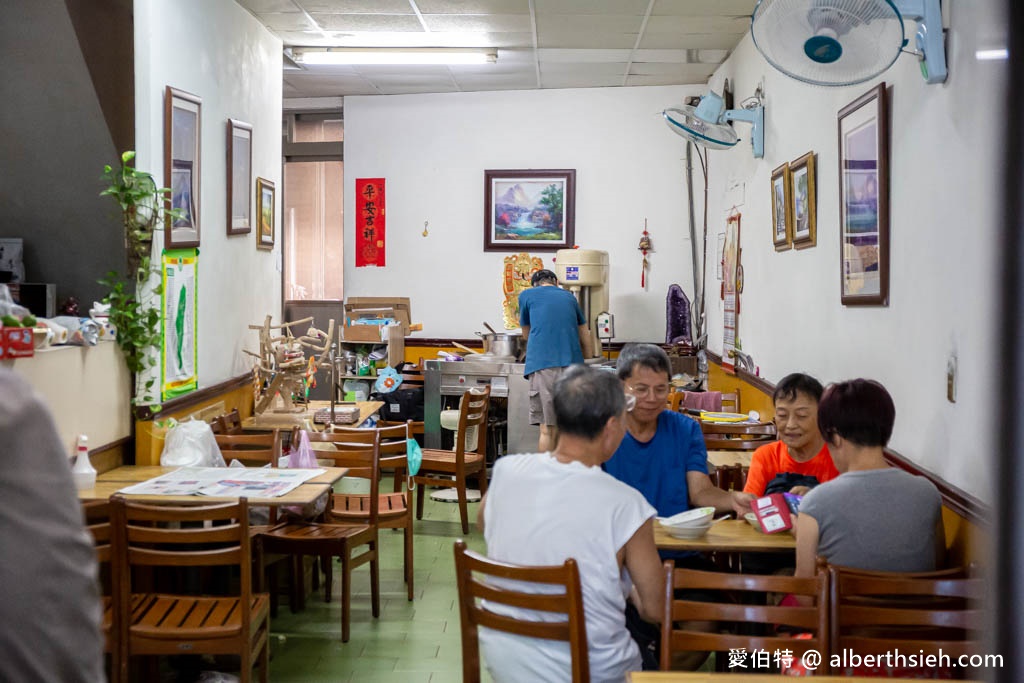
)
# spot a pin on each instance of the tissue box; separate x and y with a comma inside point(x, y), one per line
point(16, 342)
point(772, 513)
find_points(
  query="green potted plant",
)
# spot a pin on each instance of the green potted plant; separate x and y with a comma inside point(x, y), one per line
point(134, 304)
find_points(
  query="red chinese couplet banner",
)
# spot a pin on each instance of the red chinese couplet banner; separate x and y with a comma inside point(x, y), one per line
point(370, 238)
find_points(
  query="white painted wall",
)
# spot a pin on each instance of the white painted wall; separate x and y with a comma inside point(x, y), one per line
point(433, 150)
point(945, 213)
point(218, 51)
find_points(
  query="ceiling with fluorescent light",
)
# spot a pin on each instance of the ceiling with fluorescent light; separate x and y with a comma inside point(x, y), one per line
point(540, 43)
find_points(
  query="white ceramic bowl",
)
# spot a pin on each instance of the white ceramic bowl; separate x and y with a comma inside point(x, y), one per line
point(687, 532)
point(752, 521)
point(696, 517)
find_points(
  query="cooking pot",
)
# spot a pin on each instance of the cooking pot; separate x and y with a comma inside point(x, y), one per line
point(503, 344)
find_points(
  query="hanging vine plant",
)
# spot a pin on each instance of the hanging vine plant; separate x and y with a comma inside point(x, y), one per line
point(134, 308)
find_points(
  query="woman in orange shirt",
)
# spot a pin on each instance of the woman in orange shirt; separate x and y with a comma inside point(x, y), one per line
point(800, 450)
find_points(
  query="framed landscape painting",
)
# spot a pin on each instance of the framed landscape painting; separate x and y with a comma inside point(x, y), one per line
point(265, 214)
point(782, 222)
point(182, 167)
point(805, 219)
point(864, 200)
point(529, 210)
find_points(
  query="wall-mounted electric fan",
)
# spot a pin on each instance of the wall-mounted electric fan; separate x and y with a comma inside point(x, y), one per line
point(707, 124)
point(842, 42)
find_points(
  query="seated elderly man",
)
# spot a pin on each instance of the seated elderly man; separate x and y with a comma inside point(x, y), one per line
point(799, 460)
point(543, 508)
point(872, 516)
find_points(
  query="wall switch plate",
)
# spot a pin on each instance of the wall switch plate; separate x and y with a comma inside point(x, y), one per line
point(951, 379)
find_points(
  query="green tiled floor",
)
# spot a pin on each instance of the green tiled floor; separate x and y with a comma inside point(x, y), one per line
point(414, 642)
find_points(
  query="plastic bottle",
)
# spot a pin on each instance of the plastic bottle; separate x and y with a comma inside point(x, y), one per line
point(83, 472)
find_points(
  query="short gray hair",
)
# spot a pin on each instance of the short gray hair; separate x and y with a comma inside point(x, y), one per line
point(585, 398)
point(645, 355)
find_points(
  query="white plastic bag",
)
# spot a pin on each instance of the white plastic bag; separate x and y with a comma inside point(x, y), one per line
point(191, 444)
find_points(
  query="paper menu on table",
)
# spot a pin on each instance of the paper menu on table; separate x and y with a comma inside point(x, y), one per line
point(256, 482)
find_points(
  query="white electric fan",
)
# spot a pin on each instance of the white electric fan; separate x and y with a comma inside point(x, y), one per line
point(842, 42)
point(707, 124)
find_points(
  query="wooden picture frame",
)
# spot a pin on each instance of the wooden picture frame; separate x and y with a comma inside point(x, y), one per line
point(239, 194)
point(182, 167)
point(529, 210)
point(782, 213)
point(265, 212)
point(803, 181)
point(864, 200)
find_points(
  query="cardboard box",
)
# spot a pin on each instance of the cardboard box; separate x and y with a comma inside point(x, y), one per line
point(376, 307)
point(772, 513)
point(16, 342)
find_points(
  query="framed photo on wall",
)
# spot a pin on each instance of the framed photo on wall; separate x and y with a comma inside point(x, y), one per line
point(182, 167)
point(782, 219)
point(529, 210)
point(864, 200)
point(805, 206)
point(264, 214)
point(239, 196)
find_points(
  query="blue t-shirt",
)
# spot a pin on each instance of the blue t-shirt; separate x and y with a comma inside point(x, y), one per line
point(658, 468)
point(554, 318)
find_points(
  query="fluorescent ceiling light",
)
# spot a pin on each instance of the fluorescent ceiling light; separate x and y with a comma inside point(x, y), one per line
point(419, 55)
point(984, 55)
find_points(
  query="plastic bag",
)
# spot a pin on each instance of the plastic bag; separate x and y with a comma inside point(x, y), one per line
point(304, 457)
point(413, 456)
point(191, 444)
point(7, 305)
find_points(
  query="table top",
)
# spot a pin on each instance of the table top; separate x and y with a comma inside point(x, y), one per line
point(272, 420)
point(109, 483)
point(134, 474)
point(703, 677)
point(720, 458)
point(730, 535)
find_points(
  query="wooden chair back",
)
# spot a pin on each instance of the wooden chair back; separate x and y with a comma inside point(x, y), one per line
point(734, 436)
point(877, 612)
point(253, 449)
point(393, 441)
point(228, 423)
point(473, 615)
point(472, 413)
point(740, 619)
point(361, 459)
point(731, 402)
point(729, 477)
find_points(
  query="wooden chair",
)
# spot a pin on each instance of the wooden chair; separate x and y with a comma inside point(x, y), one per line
point(878, 612)
point(394, 509)
point(253, 449)
point(328, 539)
point(152, 623)
point(731, 402)
point(228, 423)
point(97, 520)
point(729, 477)
point(742, 610)
point(573, 630)
point(438, 465)
point(735, 436)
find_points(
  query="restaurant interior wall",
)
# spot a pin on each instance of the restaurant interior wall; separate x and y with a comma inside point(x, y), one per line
point(56, 140)
point(433, 150)
point(218, 51)
point(945, 180)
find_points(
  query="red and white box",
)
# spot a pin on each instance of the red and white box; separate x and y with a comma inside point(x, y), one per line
point(16, 342)
point(772, 513)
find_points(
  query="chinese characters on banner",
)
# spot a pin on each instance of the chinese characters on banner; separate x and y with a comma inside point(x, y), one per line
point(370, 238)
point(730, 290)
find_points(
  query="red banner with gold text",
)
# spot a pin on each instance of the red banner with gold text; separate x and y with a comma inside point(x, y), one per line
point(370, 238)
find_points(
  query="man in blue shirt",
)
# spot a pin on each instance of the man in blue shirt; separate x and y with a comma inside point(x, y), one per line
point(556, 336)
point(663, 454)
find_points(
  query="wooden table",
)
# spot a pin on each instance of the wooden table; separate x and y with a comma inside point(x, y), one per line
point(728, 536)
point(109, 483)
point(272, 420)
point(725, 458)
point(702, 677)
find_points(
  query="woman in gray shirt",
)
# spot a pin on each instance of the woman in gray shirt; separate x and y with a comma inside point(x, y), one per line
point(872, 516)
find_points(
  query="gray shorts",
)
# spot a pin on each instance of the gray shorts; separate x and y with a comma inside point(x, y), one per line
point(542, 407)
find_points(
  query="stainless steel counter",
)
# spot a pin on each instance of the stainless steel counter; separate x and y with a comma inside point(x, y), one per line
point(453, 378)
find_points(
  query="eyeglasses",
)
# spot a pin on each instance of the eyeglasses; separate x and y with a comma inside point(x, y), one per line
point(630, 402)
point(643, 391)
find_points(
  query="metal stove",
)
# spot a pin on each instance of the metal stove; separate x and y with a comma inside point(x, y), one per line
point(453, 378)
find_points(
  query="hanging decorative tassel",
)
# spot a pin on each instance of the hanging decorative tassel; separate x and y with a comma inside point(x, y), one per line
point(644, 247)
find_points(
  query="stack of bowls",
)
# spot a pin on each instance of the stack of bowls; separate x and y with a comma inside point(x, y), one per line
point(690, 524)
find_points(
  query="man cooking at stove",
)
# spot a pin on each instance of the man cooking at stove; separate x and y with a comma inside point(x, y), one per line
point(556, 336)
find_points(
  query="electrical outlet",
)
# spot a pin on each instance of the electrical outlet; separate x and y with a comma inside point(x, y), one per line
point(951, 379)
